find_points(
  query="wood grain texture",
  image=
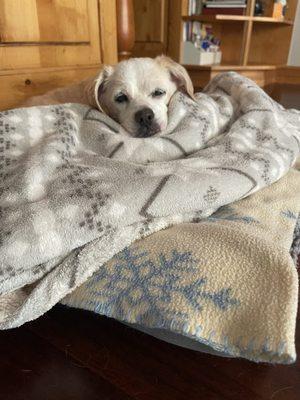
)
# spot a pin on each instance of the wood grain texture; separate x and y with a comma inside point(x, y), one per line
point(26, 29)
point(231, 34)
point(270, 43)
point(47, 373)
point(43, 20)
point(264, 75)
point(56, 21)
point(61, 20)
point(52, 43)
point(17, 86)
point(108, 31)
point(151, 26)
point(148, 49)
point(239, 18)
point(125, 28)
point(248, 27)
point(149, 20)
point(71, 353)
point(174, 47)
point(288, 75)
point(245, 39)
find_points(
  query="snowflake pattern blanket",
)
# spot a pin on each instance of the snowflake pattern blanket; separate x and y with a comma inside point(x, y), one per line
point(72, 182)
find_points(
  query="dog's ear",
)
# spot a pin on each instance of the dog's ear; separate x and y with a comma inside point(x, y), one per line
point(97, 86)
point(178, 74)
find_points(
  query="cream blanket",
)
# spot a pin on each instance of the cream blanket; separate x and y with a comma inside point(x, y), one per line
point(227, 282)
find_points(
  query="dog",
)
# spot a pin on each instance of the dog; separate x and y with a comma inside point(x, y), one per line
point(135, 93)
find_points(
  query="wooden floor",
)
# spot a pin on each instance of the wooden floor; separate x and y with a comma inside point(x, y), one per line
point(75, 355)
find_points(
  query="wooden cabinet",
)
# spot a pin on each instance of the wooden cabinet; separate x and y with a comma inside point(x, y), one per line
point(44, 33)
point(245, 40)
point(255, 46)
point(50, 43)
point(151, 25)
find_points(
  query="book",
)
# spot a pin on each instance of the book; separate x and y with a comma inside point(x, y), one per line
point(237, 2)
point(225, 6)
point(195, 7)
point(224, 11)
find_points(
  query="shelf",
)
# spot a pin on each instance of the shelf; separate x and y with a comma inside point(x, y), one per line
point(217, 17)
point(222, 67)
point(273, 20)
point(237, 18)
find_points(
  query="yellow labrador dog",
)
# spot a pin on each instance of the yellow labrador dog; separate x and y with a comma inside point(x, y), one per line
point(135, 93)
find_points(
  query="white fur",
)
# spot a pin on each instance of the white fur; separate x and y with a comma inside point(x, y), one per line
point(137, 78)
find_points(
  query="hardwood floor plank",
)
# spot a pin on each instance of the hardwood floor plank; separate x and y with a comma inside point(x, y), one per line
point(153, 369)
point(98, 344)
point(32, 369)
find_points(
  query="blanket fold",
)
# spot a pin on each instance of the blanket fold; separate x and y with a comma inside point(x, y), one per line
point(72, 183)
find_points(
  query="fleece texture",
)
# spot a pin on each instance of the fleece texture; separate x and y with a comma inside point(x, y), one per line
point(227, 281)
point(75, 191)
point(295, 249)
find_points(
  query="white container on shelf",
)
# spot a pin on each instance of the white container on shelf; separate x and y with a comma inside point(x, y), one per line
point(194, 56)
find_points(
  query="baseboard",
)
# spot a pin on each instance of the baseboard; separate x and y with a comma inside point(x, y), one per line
point(288, 75)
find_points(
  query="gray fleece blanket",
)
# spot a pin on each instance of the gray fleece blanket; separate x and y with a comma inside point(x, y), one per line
point(71, 182)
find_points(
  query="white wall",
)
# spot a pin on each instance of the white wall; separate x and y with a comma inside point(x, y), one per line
point(294, 54)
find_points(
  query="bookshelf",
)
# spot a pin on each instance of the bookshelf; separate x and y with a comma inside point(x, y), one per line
point(246, 40)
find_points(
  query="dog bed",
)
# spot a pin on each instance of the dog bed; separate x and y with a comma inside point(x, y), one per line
point(75, 191)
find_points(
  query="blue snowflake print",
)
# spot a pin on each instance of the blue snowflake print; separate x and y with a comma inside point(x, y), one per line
point(146, 287)
point(289, 214)
point(228, 213)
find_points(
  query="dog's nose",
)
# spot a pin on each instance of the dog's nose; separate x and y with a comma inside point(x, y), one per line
point(144, 117)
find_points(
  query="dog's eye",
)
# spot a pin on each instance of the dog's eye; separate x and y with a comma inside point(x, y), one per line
point(121, 98)
point(158, 93)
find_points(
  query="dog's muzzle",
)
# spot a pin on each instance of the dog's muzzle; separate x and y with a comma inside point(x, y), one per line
point(145, 121)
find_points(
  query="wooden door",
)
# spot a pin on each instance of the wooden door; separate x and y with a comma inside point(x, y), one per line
point(151, 25)
point(48, 33)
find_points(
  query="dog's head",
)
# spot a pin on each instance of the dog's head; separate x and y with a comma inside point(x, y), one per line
point(136, 93)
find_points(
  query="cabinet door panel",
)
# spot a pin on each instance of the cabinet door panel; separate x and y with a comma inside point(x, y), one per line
point(44, 21)
point(47, 33)
point(18, 21)
point(150, 27)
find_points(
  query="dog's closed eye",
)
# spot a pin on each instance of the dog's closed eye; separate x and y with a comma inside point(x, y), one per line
point(136, 93)
point(121, 98)
point(158, 93)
